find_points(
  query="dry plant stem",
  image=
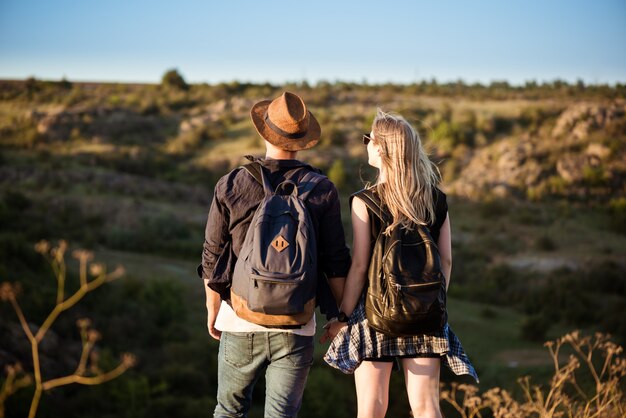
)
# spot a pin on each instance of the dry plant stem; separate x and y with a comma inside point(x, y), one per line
point(83, 271)
point(68, 303)
point(451, 398)
point(94, 380)
point(10, 386)
point(592, 369)
point(6, 391)
point(35, 339)
point(558, 379)
point(88, 337)
point(60, 307)
point(35, 354)
point(59, 272)
point(87, 347)
point(606, 401)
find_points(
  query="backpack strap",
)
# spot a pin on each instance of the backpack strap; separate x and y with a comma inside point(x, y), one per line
point(305, 185)
point(373, 203)
point(256, 170)
point(308, 183)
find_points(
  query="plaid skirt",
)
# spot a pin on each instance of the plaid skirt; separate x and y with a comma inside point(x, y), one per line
point(358, 341)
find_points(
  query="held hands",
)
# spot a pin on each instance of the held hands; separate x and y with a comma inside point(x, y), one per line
point(332, 329)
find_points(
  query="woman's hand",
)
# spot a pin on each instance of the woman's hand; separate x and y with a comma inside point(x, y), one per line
point(332, 329)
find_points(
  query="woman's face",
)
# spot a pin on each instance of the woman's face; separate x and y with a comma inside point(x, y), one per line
point(373, 152)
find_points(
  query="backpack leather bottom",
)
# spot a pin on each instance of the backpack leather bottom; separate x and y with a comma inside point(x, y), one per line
point(240, 307)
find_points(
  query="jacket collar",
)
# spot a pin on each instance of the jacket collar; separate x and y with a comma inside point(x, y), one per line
point(274, 165)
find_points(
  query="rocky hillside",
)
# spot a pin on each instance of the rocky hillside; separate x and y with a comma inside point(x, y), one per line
point(582, 155)
point(528, 146)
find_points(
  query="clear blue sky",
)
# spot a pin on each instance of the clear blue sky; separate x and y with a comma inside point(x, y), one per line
point(277, 41)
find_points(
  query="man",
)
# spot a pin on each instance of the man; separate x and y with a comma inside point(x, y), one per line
point(247, 350)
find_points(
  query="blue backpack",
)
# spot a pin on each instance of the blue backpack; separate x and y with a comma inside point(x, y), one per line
point(275, 277)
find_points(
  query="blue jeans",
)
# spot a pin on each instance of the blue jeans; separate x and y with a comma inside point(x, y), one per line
point(284, 357)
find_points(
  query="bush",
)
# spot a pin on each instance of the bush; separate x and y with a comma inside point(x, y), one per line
point(337, 174)
point(173, 79)
point(595, 176)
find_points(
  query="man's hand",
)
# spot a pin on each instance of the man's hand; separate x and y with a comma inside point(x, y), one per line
point(213, 303)
point(214, 332)
point(332, 329)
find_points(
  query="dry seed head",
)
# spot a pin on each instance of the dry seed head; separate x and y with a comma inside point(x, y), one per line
point(42, 247)
point(96, 269)
point(7, 292)
point(129, 360)
point(93, 336)
point(473, 402)
point(83, 323)
point(117, 273)
point(82, 255)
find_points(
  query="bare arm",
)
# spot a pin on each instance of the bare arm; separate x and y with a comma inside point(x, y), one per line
point(357, 275)
point(445, 249)
point(336, 286)
point(360, 257)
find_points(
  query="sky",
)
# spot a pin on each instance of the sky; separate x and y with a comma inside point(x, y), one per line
point(283, 41)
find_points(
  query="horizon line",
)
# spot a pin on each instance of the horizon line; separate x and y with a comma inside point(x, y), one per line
point(316, 83)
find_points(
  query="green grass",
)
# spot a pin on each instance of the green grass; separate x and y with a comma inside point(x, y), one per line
point(494, 345)
point(492, 341)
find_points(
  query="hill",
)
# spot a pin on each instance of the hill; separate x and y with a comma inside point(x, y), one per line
point(535, 177)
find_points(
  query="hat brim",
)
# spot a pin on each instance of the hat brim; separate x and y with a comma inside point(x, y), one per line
point(312, 136)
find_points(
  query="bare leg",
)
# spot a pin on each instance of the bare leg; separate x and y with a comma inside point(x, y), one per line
point(372, 388)
point(422, 385)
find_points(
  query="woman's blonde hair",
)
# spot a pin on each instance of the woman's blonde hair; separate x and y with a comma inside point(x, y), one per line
point(407, 176)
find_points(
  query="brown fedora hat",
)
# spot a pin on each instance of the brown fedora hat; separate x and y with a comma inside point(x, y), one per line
point(286, 122)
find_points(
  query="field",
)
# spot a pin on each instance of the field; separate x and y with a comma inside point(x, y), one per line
point(534, 176)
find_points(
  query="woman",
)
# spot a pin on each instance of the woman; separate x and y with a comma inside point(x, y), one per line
point(406, 185)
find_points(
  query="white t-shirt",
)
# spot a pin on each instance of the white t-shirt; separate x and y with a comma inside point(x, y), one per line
point(228, 321)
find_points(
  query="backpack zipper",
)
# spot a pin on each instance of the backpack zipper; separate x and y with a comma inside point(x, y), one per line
point(431, 284)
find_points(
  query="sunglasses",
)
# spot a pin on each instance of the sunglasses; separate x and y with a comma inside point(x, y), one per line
point(366, 139)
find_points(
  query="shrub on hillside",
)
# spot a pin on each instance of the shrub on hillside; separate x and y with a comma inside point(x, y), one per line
point(594, 296)
point(173, 79)
point(337, 174)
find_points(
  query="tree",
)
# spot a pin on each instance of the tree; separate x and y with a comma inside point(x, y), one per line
point(173, 79)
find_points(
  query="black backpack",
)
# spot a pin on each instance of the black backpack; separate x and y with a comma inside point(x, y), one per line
point(407, 289)
point(275, 277)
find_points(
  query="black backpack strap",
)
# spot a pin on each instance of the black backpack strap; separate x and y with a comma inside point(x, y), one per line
point(305, 185)
point(373, 203)
point(308, 183)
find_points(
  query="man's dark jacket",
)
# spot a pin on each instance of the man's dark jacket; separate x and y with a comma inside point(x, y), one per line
point(237, 196)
